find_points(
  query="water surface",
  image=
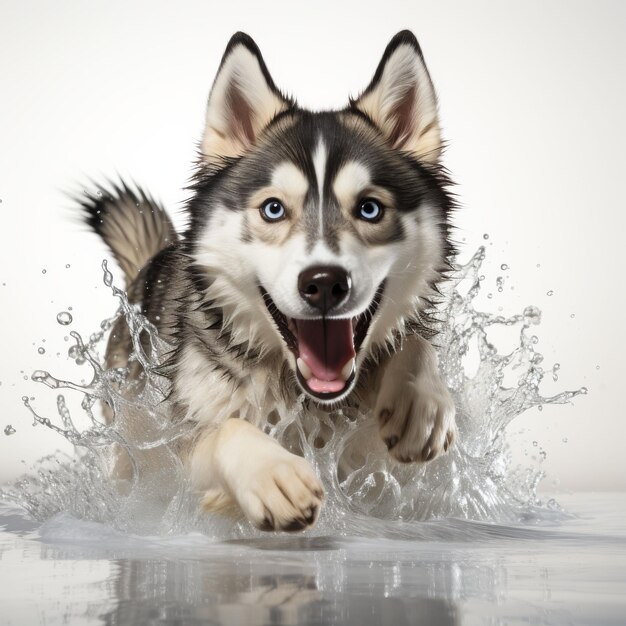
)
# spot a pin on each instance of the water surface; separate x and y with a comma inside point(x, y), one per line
point(66, 571)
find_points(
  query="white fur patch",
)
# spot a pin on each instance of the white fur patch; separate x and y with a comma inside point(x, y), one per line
point(416, 260)
point(274, 488)
point(350, 181)
point(319, 163)
point(289, 177)
point(196, 378)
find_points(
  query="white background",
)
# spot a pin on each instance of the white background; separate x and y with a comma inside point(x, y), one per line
point(532, 102)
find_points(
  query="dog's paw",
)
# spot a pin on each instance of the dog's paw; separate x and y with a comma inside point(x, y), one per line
point(416, 419)
point(283, 494)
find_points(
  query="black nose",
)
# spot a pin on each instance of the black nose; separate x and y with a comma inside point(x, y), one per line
point(324, 287)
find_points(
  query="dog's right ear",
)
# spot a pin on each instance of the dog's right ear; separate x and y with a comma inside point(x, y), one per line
point(243, 101)
point(401, 100)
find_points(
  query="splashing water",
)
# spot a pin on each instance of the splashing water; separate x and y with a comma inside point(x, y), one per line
point(474, 481)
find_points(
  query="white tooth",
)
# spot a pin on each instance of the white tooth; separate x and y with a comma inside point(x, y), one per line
point(347, 369)
point(305, 370)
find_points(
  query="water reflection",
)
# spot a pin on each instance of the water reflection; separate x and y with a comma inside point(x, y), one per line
point(258, 600)
point(330, 591)
point(75, 572)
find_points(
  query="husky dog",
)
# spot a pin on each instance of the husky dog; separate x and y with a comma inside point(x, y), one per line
point(314, 245)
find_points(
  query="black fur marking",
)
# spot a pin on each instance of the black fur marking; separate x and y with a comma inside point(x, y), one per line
point(281, 321)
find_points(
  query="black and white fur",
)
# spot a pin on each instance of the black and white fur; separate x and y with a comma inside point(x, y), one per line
point(226, 293)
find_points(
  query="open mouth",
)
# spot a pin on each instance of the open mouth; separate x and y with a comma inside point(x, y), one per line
point(325, 348)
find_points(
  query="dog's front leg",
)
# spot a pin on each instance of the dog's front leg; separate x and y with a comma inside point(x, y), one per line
point(414, 409)
point(240, 468)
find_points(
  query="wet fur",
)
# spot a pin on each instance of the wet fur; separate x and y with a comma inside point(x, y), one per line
point(230, 367)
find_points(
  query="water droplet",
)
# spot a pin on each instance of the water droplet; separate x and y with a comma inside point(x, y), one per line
point(490, 295)
point(597, 367)
point(504, 267)
point(64, 318)
point(43, 271)
point(9, 430)
point(108, 277)
point(532, 315)
point(538, 265)
point(555, 368)
point(540, 407)
point(41, 350)
point(572, 315)
point(550, 293)
point(76, 353)
point(67, 266)
point(500, 283)
point(535, 444)
point(564, 440)
point(486, 236)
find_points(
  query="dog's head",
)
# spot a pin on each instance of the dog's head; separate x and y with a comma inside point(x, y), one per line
point(323, 233)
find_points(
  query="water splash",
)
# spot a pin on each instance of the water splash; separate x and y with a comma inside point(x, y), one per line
point(476, 480)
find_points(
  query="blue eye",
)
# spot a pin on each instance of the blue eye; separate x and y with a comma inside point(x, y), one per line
point(272, 210)
point(370, 210)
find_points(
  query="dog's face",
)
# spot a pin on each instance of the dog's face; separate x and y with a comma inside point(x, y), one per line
point(323, 232)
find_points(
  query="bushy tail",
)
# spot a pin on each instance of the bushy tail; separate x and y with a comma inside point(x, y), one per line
point(131, 223)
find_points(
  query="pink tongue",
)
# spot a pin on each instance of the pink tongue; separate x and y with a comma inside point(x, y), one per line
point(325, 346)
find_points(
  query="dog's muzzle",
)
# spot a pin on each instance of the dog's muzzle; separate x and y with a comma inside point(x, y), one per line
point(325, 348)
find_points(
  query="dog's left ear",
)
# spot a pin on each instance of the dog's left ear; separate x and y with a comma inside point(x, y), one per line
point(242, 102)
point(401, 100)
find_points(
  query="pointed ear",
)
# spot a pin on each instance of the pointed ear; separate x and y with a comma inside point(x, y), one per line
point(242, 102)
point(401, 100)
